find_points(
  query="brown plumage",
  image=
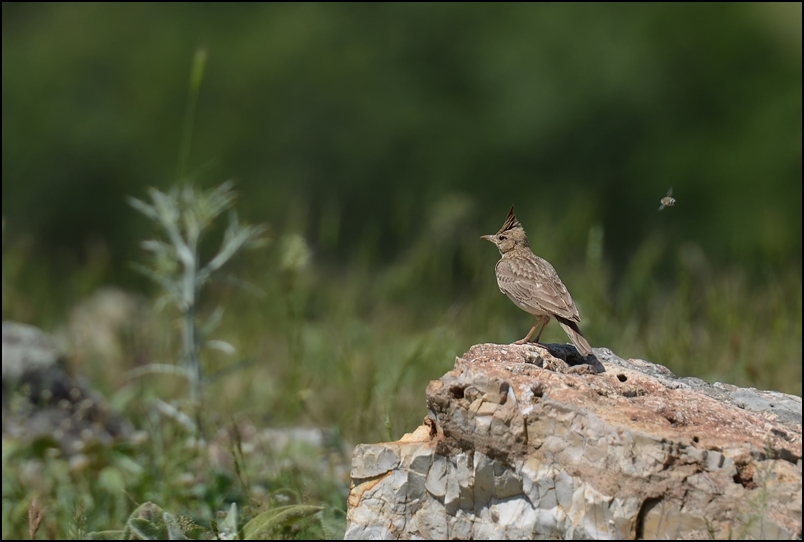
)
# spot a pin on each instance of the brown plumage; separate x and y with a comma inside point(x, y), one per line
point(533, 284)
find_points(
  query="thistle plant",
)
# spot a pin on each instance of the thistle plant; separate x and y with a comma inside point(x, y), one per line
point(185, 215)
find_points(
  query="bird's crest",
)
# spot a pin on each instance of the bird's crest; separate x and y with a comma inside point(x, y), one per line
point(510, 222)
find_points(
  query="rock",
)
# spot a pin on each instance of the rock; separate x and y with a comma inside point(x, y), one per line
point(26, 350)
point(520, 444)
point(42, 400)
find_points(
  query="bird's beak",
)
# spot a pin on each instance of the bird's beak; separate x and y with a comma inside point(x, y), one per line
point(488, 237)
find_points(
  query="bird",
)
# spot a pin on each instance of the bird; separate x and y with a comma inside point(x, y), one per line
point(668, 200)
point(533, 284)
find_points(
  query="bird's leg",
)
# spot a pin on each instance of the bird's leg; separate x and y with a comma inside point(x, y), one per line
point(546, 320)
point(530, 333)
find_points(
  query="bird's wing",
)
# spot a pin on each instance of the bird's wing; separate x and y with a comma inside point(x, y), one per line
point(536, 286)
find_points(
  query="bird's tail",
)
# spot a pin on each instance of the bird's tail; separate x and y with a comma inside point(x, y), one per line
point(575, 335)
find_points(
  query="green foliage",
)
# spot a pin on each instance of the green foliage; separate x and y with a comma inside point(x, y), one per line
point(271, 523)
point(147, 522)
point(192, 479)
point(381, 159)
point(150, 522)
point(363, 113)
point(186, 214)
point(353, 348)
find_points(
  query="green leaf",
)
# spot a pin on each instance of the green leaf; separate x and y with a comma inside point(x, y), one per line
point(221, 346)
point(230, 523)
point(144, 529)
point(142, 207)
point(234, 238)
point(265, 524)
point(173, 529)
point(162, 368)
point(164, 282)
point(212, 323)
point(220, 198)
point(159, 248)
point(197, 71)
point(111, 479)
point(145, 523)
point(175, 414)
point(105, 535)
point(148, 511)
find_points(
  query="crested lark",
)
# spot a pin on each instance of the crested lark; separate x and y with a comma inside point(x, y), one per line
point(533, 285)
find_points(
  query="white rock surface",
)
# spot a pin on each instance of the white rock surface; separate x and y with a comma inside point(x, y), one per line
point(520, 445)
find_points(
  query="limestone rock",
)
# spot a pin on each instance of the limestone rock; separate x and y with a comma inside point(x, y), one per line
point(524, 442)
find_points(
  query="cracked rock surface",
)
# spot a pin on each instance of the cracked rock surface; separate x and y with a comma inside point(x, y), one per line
point(527, 441)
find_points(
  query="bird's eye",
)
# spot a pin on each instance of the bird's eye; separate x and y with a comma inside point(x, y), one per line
point(502, 238)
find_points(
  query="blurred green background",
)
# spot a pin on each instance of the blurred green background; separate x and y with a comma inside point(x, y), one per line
point(365, 115)
point(388, 137)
